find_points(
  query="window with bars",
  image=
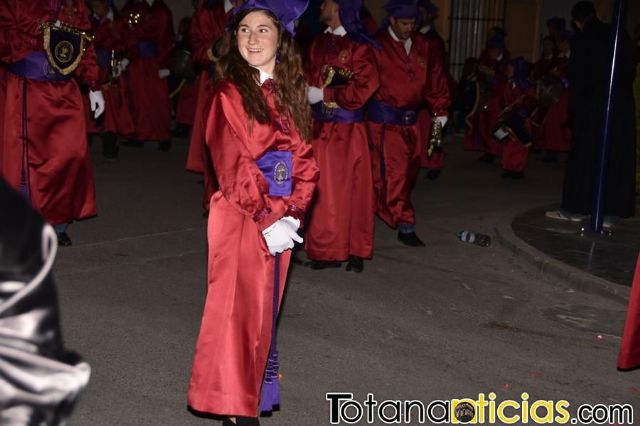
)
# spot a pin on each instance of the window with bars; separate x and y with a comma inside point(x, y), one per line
point(469, 23)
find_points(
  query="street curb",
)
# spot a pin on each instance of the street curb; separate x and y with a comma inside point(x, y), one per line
point(574, 278)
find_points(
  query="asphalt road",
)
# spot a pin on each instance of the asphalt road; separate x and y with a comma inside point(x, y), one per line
point(451, 320)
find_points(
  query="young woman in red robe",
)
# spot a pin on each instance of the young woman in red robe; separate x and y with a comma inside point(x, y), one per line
point(256, 132)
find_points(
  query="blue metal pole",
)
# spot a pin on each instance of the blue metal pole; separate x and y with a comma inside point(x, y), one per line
point(599, 190)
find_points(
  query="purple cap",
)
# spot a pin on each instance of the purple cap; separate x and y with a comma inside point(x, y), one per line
point(350, 20)
point(431, 8)
point(402, 9)
point(286, 12)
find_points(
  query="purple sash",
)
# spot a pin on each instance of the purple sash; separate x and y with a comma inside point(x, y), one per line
point(103, 57)
point(35, 66)
point(383, 113)
point(276, 166)
point(147, 49)
point(336, 115)
point(270, 394)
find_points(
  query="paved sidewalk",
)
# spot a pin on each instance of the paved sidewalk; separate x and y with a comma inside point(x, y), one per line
point(448, 320)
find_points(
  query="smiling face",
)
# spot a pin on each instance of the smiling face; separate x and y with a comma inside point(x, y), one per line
point(257, 38)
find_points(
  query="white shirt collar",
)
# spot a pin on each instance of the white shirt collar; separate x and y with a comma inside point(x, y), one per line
point(108, 17)
point(264, 76)
point(407, 42)
point(227, 6)
point(340, 31)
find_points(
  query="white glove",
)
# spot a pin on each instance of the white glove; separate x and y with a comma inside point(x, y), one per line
point(163, 72)
point(315, 94)
point(281, 235)
point(122, 65)
point(442, 120)
point(57, 24)
point(97, 103)
point(293, 223)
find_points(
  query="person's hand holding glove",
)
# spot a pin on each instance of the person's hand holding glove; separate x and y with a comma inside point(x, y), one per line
point(315, 94)
point(280, 236)
point(122, 66)
point(163, 73)
point(97, 102)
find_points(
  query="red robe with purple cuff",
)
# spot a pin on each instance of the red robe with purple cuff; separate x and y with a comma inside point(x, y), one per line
point(207, 26)
point(404, 84)
point(342, 220)
point(43, 148)
point(236, 331)
point(437, 62)
point(117, 116)
point(149, 45)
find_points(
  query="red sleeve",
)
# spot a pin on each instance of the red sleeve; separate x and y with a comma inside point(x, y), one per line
point(305, 175)
point(240, 179)
point(165, 37)
point(364, 84)
point(204, 31)
point(19, 29)
point(88, 71)
point(437, 92)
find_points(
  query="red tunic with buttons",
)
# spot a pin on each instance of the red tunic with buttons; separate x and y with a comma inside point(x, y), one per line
point(117, 116)
point(341, 223)
point(404, 83)
point(207, 26)
point(149, 44)
point(235, 335)
point(43, 149)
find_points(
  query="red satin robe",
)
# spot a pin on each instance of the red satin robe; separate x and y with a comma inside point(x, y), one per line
point(148, 93)
point(235, 334)
point(556, 131)
point(515, 153)
point(480, 133)
point(117, 116)
point(404, 83)
point(438, 65)
point(207, 26)
point(55, 160)
point(342, 219)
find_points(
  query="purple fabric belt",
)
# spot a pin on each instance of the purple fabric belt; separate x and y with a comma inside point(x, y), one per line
point(276, 166)
point(383, 113)
point(336, 115)
point(147, 49)
point(35, 66)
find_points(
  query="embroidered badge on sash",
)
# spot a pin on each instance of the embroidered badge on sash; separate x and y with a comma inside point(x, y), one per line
point(280, 173)
point(64, 45)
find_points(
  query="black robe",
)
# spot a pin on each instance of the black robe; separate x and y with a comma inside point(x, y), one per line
point(588, 74)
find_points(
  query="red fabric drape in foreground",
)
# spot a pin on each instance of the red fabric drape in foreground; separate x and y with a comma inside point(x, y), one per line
point(629, 356)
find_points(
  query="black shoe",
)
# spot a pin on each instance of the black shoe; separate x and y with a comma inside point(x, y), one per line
point(63, 239)
point(355, 264)
point(410, 239)
point(164, 146)
point(433, 174)
point(323, 264)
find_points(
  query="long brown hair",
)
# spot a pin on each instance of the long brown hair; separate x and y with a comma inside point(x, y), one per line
point(288, 75)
